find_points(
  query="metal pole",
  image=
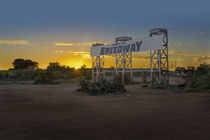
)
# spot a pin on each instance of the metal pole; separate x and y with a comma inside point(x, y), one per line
point(131, 65)
point(123, 69)
point(97, 69)
point(167, 58)
point(116, 70)
point(151, 69)
point(103, 67)
point(93, 69)
point(159, 65)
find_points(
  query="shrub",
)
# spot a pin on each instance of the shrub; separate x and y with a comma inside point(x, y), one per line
point(24, 64)
point(201, 78)
point(1, 75)
point(58, 71)
point(19, 74)
point(61, 75)
point(44, 78)
point(43, 75)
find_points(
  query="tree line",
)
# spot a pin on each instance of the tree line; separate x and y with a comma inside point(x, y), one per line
point(29, 70)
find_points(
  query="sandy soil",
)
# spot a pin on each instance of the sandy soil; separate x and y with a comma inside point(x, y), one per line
point(57, 112)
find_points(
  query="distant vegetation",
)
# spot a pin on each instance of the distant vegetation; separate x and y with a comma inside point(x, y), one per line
point(201, 77)
point(28, 70)
point(198, 79)
point(20, 64)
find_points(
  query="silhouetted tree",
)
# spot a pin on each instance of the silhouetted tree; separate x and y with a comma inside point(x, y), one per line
point(201, 78)
point(55, 66)
point(85, 72)
point(58, 71)
point(24, 64)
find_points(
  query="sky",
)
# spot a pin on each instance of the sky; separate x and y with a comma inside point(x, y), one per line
point(64, 30)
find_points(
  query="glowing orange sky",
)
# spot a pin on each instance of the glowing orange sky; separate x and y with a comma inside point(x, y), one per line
point(76, 54)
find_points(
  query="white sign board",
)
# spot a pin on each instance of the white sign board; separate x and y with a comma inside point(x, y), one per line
point(150, 43)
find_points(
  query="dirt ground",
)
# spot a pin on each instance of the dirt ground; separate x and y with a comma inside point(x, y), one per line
point(58, 112)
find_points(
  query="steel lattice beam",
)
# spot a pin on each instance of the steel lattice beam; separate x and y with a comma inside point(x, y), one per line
point(124, 61)
point(97, 67)
point(159, 60)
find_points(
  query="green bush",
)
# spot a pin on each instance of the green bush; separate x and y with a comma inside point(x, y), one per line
point(54, 71)
point(201, 78)
point(58, 71)
point(1, 75)
point(61, 75)
point(4, 75)
point(19, 74)
point(43, 75)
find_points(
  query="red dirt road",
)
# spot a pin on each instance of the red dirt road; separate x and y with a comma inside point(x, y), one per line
point(32, 112)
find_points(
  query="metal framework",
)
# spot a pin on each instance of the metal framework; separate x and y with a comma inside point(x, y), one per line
point(124, 61)
point(159, 60)
point(97, 66)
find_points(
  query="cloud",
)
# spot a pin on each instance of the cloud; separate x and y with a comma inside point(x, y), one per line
point(91, 43)
point(179, 44)
point(72, 52)
point(81, 43)
point(82, 52)
point(58, 51)
point(141, 57)
point(14, 42)
point(201, 33)
point(64, 44)
point(205, 58)
point(183, 53)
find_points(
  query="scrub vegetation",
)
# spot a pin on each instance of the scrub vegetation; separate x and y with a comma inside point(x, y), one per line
point(201, 77)
point(28, 70)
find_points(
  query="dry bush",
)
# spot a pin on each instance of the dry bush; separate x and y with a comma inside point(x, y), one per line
point(201, 78)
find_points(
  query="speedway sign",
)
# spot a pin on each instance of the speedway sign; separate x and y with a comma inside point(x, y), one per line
point(147, 44)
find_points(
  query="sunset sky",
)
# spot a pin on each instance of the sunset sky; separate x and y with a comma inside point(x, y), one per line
point(64, 30)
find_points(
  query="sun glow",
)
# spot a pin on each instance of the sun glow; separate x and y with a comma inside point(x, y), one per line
point(75, 64)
